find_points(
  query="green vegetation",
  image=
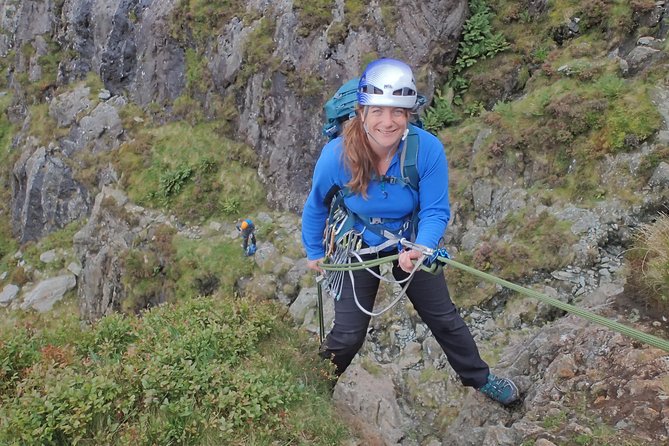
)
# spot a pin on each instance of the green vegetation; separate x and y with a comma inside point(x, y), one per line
point(574, 110)
point(649, 263)
point(337, 33)
point(313, 15)
point(204, 371)
point(198, 75)
point(4, 69)
point(43, 126)
point(390, 14)
point(195, 261)
point(564, 129)
point(308, 85)
point(466, 289)
point(57, 240)
point(478, 42)
point(258, 52)
point(8, 244)
point(178, 165)
point(354, 13)
point(199, 20)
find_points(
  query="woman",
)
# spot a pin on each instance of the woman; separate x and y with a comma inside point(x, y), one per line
point(365, 162)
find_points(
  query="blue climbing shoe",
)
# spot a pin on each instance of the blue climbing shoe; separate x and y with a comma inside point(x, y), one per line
point(502, 390)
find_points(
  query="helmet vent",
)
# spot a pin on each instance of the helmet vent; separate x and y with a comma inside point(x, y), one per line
point(404, 92)
point(371, 89)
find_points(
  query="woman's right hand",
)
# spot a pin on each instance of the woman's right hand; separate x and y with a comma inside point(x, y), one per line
point(315, 265)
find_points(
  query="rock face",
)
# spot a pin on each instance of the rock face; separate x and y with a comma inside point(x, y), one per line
point(102, 246)
point(132, 46)
point(98, 246)
point(409, 396)
point(45, 195)
point(574, 377)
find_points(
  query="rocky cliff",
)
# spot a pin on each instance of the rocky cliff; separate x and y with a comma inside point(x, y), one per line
point(140, 50)
point(264, 70)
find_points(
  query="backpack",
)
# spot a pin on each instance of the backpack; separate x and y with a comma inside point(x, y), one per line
point(341, 107)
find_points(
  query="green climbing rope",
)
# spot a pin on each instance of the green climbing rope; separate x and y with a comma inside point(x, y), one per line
point(646, 338)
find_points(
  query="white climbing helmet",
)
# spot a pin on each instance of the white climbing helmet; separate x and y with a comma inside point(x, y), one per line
point(387, 82)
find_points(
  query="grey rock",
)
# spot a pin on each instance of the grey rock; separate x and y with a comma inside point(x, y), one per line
point(660, 177)
point(74, 268)
point(45, 196)
point(642, 56)
point(8, 294)
point(43, 297)
point(48, 256)
point(482, 194)
point(304, 310)
point(64, 108)
point(371, 399)
point(100, 130)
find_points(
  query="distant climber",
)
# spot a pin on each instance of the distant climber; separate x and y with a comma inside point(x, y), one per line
point(247, 230)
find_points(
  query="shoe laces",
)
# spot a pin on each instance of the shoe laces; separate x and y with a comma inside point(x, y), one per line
point(498, 388)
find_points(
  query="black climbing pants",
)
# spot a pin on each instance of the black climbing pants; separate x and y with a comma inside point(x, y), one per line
point(429, 295)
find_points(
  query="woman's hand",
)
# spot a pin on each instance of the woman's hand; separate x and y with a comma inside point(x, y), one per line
point(406, 259)
point(315, 265)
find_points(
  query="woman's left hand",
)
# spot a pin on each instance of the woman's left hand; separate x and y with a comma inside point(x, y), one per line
point(406, 259)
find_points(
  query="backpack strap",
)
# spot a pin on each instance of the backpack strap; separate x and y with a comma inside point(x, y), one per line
point(409, 169)
point(409, 157)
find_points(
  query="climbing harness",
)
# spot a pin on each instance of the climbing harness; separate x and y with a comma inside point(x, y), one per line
point(343, 248)
point(440, 256)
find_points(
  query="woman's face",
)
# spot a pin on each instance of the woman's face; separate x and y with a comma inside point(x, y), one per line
point(385, 126)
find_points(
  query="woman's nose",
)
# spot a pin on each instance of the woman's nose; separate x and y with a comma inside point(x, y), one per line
point(387, 117)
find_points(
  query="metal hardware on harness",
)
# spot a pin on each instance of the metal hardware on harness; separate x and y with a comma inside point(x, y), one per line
point(346, 247)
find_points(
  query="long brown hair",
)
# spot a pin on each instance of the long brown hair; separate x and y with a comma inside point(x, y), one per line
point(359, 157)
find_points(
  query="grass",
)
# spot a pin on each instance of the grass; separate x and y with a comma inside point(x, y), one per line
point(313, 15)
point(219, 257)
point(572, 123)
point(57, 240)
point(650, 258)
point(176, 165)
point(200, 20)
point(8, 244)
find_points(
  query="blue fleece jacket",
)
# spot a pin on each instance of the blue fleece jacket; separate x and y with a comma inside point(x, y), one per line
point(384, 200)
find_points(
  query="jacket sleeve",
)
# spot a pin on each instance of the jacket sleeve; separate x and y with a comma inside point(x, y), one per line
point(435, 211)
point(315, 211)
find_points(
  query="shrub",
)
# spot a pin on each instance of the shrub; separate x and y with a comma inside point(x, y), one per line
point(479, 42)
point(651, 260)
point(200, 372)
